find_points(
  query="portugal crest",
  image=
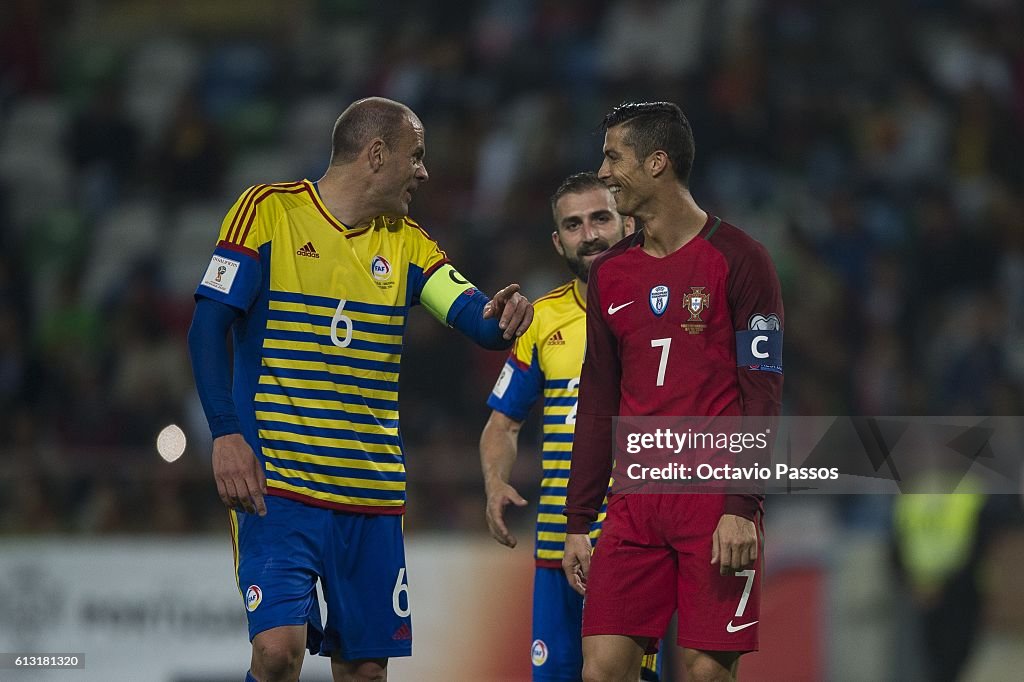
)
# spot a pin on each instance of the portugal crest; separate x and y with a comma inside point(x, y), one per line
point(659, 299)
point(696, 302)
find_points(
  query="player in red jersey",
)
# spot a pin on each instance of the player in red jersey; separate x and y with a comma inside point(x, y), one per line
point(684, 319)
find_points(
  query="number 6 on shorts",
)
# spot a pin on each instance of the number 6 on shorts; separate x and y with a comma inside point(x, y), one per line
point(402, 586)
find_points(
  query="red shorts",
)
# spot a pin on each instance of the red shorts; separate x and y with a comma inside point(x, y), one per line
point(653, 557)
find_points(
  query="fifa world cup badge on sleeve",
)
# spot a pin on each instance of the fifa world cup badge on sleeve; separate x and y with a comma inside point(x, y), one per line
point(504, 379)
point(221, 274)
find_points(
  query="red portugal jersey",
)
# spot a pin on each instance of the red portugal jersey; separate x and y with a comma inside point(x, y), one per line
point(695, 333)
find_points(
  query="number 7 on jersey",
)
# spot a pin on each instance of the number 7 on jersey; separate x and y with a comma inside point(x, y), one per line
point(665, 344)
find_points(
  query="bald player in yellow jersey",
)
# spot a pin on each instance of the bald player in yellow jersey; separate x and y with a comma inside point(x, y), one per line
point(546, 362)
point(316, 280)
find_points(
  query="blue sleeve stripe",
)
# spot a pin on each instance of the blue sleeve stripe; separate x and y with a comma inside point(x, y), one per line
point(334, 489)
point(413, 284)
point(334, 360)
point(328, 451)
point(324, 301)
point(557, 419)
point(387, 349)
point(333, 434)
point(395, 330)
point(339, 471)
point(327, 394)
point(557, 455)
point(466, 315)
point(211, 364)
point(507, 408)
point(522, 391)
point(319, 413)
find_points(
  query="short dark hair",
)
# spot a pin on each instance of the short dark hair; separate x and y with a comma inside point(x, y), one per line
point(651, 126)
point(576, 184)
point(361, 122)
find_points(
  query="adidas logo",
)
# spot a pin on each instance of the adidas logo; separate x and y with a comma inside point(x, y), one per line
point(403, 632)
point(307, 250)
point(556, 339)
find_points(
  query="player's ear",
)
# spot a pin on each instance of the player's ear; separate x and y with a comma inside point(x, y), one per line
point(657, 162)
point(558, 243)
point(375, 153)
point(628, 225)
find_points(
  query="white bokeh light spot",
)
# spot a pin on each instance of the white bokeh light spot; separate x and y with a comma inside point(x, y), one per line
point(170, 444)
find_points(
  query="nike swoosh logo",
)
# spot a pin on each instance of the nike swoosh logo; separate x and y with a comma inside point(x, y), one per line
point(612, 309)
point(730, 628)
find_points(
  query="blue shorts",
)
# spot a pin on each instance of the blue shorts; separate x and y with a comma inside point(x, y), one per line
point(557, 649)
point(359, 560)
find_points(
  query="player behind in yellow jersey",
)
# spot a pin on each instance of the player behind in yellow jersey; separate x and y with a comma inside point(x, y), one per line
point(546, 361)
point(316, 280)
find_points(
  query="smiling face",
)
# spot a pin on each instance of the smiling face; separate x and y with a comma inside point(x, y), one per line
point(587, 225)
point(401, 169)
point(623, 172)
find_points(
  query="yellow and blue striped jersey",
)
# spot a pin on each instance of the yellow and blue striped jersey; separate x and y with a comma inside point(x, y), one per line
point(546, 360)
point(319, 341)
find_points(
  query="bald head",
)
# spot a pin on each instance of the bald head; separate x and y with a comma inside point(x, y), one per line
point(365, 120)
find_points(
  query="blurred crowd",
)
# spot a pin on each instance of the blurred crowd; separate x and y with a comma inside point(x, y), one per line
point(874, 147)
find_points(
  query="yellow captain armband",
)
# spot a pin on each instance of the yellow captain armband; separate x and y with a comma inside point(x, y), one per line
point(442, 290)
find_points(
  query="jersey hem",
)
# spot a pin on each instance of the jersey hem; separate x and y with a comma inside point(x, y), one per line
point(548, 563)
point(337, 506)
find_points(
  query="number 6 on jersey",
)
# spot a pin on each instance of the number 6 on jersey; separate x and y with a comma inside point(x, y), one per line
point(346, 321)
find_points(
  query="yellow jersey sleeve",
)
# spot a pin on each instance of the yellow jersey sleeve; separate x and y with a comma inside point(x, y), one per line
point(248, 225)
point(235, 271)
point(441, 287)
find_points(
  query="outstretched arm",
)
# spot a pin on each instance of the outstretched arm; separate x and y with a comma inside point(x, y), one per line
point(492, 323)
